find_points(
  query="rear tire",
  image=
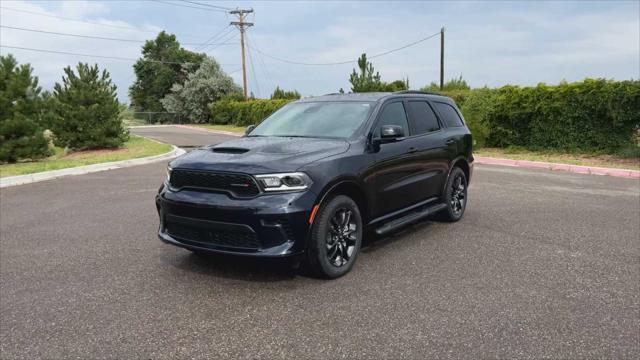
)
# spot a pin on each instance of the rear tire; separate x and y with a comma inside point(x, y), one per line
point(455, 196)
point(336, 237)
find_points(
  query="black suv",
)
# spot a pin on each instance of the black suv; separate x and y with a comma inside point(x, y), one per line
point(319, 173)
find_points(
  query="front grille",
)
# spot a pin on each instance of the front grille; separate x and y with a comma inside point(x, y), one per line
point(240, 185)
point(233, 239)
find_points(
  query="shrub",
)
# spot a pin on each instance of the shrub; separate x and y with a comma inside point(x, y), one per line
point(20, 139)
point(21, 129)
point(87, 110)
point(243, 113)
point(587, 116)
point(190, 100)
point(593, 116)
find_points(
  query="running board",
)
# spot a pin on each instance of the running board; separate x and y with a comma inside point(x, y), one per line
point(409, 218)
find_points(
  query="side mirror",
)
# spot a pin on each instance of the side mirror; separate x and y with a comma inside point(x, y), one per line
point(391, 133)
point(249, 129)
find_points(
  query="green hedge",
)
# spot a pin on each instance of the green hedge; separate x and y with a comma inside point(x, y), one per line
point(591, 115)
point(243, 113)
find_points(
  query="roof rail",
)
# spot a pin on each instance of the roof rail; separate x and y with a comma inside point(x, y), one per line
point(333, 94)
point(416, 92)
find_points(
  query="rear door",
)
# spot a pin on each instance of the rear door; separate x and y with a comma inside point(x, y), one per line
point(431, 146)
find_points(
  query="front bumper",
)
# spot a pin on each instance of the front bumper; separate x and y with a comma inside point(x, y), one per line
point(270, 225)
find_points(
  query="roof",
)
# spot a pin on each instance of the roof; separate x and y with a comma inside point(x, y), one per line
point(370, 96)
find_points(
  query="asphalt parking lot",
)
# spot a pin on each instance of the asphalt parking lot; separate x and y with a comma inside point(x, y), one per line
point(544, 264)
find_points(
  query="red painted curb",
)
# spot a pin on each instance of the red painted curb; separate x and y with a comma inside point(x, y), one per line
point(578, 169)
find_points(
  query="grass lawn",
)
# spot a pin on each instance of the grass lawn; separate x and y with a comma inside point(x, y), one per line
point(230, 128)
point(610, 161)
point(136, 147)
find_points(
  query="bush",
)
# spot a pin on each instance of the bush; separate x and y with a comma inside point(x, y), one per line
point(87, 110)
point(190, 100)
point(21, 106)
point(592, 116)
point(243, 113)
point(588, 116)
point(21, 138)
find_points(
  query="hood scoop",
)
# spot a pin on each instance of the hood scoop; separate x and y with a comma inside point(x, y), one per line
point(229, 150)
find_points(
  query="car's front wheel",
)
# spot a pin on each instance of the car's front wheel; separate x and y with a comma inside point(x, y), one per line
point(336, 236)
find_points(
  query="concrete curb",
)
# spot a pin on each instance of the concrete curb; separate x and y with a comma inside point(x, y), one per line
point(81, 170)
point(578, 169)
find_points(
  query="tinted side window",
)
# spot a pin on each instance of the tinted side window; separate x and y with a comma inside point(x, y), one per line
point(394, 114)
point(425, 119)
point(449, 115)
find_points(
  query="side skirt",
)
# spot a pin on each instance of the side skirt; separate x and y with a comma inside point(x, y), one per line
point(410, 217)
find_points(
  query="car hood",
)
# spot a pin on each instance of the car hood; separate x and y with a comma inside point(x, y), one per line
point(260, 155)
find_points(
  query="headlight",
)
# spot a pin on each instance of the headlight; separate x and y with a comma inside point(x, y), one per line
point(284, 182)
point(169, 169)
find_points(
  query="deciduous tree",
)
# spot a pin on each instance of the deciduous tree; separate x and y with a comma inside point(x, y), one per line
point(163, 64)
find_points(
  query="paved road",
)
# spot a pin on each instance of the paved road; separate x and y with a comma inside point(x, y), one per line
point(544, 264)
point(180, 136)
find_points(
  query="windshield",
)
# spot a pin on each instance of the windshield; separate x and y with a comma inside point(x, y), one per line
point(315, 119)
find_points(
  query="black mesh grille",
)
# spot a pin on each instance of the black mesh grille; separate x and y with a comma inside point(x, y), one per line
point(238, 184)
point(244, 240)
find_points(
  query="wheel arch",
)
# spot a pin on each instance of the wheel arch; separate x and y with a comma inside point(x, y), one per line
point(461, 162)
point(351, 188)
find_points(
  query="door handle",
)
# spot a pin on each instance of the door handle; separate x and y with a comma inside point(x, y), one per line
point(449, 141)
point(412, 150)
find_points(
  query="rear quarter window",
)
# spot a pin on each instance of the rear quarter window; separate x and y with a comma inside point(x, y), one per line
point(449, 115)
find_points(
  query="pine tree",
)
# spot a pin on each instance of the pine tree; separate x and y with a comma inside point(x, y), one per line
point(367, 79)
point(87, 109)
point(282, 94)
point(21, 130)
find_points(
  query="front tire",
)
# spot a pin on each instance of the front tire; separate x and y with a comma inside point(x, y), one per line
point(336, 237)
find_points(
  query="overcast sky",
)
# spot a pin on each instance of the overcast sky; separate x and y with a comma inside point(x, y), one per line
point(488, 43)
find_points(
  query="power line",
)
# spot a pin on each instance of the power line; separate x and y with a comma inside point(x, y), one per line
point(91, 36)
point(404, 46)
point(207, 5)
point(189, 6)
point(348, 61)
point(130, 28)
point(213, 37)
point(263, 65)
point(225, 41)
point(93, 55)
point(222, 38)
point(253, 71)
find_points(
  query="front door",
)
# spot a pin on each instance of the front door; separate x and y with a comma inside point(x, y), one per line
point(396, 168)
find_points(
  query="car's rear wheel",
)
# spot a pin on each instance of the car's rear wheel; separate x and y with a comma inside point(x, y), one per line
point(455, 195)
point(336, 237)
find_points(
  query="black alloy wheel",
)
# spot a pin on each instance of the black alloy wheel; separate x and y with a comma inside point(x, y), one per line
point(336, 236)
point(455, 196)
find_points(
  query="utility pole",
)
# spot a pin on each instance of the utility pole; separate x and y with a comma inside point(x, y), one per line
point(242, 25)
point(442, 58)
